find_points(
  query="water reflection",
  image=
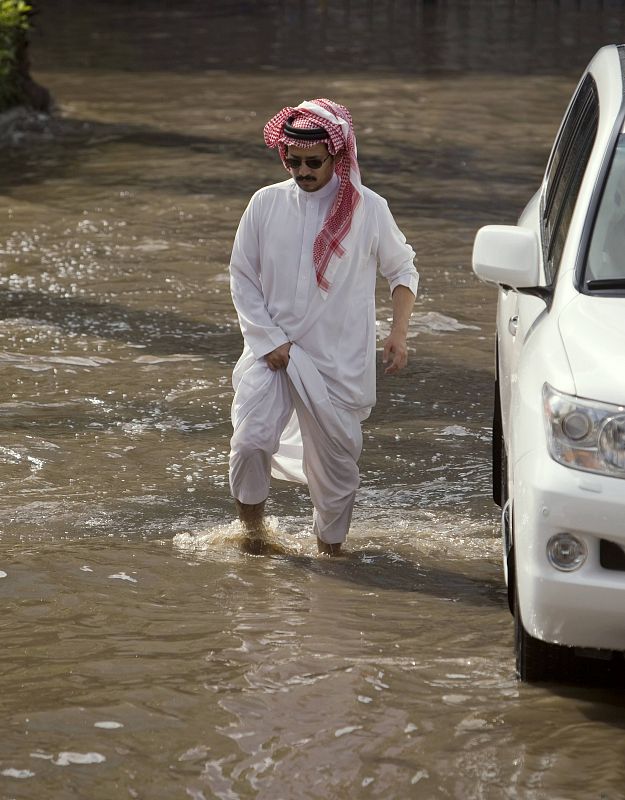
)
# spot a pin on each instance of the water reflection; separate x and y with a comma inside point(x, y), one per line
point(421, 36)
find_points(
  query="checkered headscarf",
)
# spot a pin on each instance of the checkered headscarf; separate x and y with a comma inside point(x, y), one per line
point(339, 137)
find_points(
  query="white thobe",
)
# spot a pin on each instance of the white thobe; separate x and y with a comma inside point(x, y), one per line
point(329, 385)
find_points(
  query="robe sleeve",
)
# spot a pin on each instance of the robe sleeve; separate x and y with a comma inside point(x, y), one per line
point(395, 255)
point(258, 329)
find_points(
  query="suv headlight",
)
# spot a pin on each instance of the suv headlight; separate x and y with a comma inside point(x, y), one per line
point(585, 435)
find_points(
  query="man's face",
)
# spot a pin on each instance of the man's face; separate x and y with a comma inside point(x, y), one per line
point(311, 180)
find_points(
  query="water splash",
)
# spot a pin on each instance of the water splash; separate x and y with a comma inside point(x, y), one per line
point(228, 541)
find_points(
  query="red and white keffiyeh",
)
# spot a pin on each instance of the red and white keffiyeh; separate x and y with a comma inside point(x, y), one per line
point(342, 220)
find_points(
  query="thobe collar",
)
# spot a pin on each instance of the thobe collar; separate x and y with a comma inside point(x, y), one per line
point(329, 189)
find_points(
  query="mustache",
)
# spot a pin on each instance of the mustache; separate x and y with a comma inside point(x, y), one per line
point(306, 178)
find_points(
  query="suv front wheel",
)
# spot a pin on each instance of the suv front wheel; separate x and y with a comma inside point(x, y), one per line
point(537, 660)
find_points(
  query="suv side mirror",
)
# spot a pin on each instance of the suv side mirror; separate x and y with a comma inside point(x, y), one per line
point(508, 256)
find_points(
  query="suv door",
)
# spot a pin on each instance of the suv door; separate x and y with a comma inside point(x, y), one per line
point(567, 163)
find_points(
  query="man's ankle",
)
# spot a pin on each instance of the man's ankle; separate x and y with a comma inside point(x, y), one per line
point(327, 548)
point(251, 514)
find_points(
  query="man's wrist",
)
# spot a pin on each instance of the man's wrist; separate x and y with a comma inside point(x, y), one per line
point(400, 329)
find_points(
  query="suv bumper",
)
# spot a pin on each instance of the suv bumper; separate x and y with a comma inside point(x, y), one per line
point(584, 608)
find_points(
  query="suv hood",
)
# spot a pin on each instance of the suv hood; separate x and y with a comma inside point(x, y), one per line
point(593, 334)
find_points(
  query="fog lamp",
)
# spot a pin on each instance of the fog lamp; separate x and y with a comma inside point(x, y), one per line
point(566, 552)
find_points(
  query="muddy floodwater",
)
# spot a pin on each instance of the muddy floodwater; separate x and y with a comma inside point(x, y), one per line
point(143, 654)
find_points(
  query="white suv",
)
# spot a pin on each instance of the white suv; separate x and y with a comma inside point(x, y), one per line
point(559, 422)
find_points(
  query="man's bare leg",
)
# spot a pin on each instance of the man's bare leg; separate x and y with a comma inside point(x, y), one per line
point(252, 520)
point(328, 549)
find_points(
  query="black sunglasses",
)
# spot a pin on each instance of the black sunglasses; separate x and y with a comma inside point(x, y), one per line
point(311, 163)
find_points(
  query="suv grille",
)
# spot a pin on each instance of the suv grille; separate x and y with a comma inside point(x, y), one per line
point(611, 555)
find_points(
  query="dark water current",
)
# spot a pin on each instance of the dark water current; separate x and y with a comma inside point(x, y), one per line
point(143, 655)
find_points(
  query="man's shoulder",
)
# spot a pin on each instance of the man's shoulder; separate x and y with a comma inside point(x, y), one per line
point(273, 190)
point(373, 200)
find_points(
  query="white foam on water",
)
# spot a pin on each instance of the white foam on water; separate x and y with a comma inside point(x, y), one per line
point(194, 753)
point(165, 359)
point(17, 773)
point(3, 574)
point(376, 682)
point(152, 246)
point(455, 430)
point(134, 428)
point(433, 321)
point(10, 456)
point(39, 363)
point(426, 322)
point(348, 729)
point(264, 765)
point(428, 531)
point(472, 724)
point(455, 699)
point(108, 724)
point(85, 568)
point(121, 576)
point(67, 758)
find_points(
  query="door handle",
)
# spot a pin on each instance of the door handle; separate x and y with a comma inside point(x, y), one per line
point(513, 324)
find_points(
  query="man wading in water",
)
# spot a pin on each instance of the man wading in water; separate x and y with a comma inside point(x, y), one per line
point(303, 273)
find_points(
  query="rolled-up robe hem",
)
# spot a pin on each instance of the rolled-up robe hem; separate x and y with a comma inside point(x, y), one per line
point(330, 536)
point(332, 540)
point(250, 499)
point(332, 527)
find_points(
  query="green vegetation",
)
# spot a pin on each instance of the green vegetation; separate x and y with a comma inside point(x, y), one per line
point(14, 22)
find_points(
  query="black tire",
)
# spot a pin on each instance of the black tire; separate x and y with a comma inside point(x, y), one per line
point(511, 581)
point(500, 487)
point(499, 455)
point(541, 661)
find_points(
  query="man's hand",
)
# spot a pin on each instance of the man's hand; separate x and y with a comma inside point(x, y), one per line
point(396, 350)
point(278, 358)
